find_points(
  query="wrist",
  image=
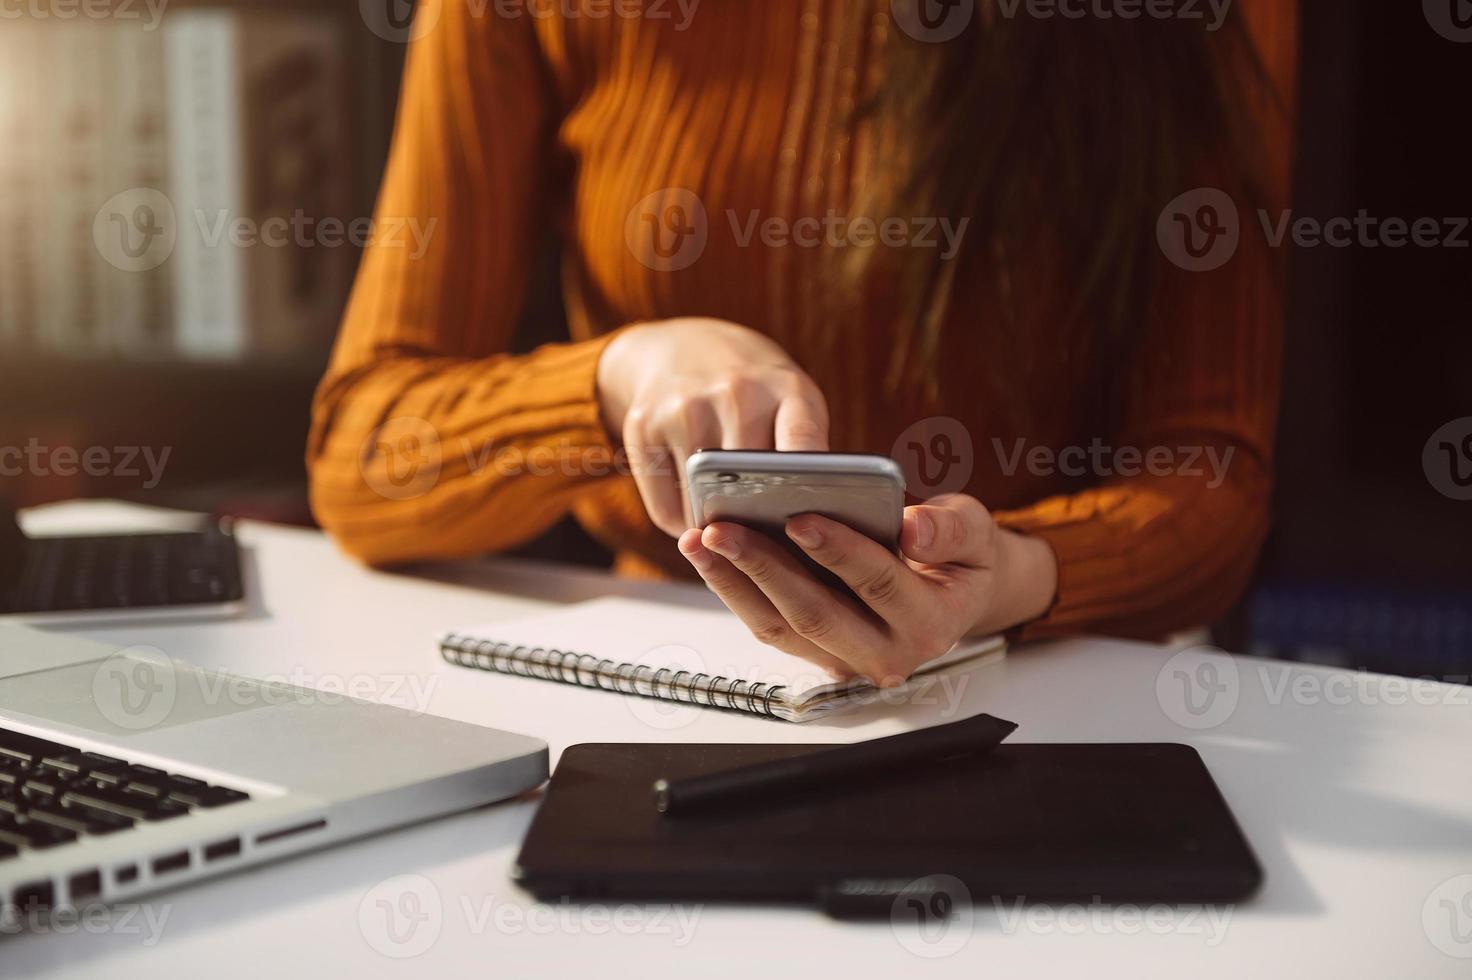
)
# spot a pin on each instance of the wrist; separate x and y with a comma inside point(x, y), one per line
point(613, 400)
point(1025, 585)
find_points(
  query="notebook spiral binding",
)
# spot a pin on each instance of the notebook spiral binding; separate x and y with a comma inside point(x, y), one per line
point(586, 670)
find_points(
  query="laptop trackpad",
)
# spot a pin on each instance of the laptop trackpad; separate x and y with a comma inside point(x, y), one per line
point(128, 694)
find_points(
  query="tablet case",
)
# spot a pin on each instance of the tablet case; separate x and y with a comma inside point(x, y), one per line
point(1135, 823)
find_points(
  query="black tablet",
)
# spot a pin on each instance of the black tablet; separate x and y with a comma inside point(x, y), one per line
point(1133, 823)
point(77, 578)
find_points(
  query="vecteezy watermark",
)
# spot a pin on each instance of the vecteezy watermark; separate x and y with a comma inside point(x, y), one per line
point(933, 21)
point(1201, 687)
point(683, 689)
point(1364, 230)
point(401, 459)
point(1452, 19)
point(1212, 13)
point(1285, 684)
point(404, 916)
point(1101, 460)
point(1210, 922)
point(402, 21)
point(1447, 459)
point(149, 11)
point(667, 702)
point(138, 687)
point(669, 230)
point(1198, 688)
point(835, 230)
point(301, 230)
point(675, 922)
point(401, 917)
point(399, 21)
point(931, 917)
point(136, 230)
point(404, 458)
point(1446, 916)
point(938, 21)
point(679, 13)
point(1201, 230)
point(124, 462)
point(936, 456)
point(145, 921)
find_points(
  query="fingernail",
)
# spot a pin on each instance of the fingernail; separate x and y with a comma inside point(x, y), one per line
point(725, 547)
point(922, 528)
point(699, 559)
point(806, 535)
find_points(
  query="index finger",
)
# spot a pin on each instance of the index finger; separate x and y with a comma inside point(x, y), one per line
point(653, 468)
point(801, 424)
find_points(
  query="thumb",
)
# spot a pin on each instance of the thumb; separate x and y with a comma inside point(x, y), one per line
point(954, 529)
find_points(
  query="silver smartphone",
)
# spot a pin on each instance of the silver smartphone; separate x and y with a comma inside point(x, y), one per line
point(764, 490)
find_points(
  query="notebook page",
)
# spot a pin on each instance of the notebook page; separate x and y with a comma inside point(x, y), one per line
point(661, 635)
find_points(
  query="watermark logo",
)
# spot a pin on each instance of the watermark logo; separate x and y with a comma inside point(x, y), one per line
point(402, 458)
point(936, 456)
point(1447, 459)
point(399, 21)
point(1447, 917)
point(668, 230)
point(136, 230)
point(1200, 230)
point(933, 21)
point(38, 459)
point(1452, 19)
point(1184, 10)
point(1208, 922)
point(1198, 688)
point(661, 712)
point(300, 230)
point(1098, 459)
point(401, 917)
point(836, 230)
point(145, 922)
point(151, 12)
point(932, 917)
point(136, 687)
point(1364, 230)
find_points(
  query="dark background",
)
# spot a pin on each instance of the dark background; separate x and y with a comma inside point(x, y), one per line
point(1368, 564)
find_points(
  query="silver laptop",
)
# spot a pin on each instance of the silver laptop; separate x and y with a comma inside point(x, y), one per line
point(123, 772)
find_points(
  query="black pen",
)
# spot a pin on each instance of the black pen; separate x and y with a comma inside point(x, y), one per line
point(973, 736)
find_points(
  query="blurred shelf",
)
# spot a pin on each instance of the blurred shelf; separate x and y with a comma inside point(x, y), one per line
point(31, 369)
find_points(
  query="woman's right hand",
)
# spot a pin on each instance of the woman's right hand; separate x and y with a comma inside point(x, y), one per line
point(671, 387)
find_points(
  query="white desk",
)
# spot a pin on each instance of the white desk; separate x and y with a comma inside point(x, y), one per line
point(1356, 798)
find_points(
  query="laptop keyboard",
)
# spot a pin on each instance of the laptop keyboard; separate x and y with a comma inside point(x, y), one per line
point(53, 794)
point(125, 571)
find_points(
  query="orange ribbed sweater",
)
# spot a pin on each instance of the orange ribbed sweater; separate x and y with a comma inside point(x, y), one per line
point(509, 125)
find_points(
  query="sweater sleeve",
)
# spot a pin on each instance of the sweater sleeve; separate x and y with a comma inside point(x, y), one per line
point(428, 439)
point(1172, 546)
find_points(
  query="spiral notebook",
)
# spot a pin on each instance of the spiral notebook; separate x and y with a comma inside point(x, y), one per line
point(681, 653)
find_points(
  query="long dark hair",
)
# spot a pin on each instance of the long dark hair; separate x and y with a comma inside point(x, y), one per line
point(1076, 130)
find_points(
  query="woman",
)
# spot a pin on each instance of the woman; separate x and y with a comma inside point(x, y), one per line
point(708, 179)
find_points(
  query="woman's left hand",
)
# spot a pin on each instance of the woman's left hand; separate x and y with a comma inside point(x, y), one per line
point(960, 575)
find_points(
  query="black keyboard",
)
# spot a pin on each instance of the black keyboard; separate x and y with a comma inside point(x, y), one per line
point(124, 571)
point(53, 794)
